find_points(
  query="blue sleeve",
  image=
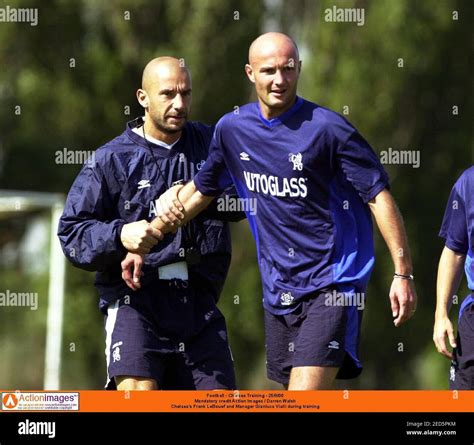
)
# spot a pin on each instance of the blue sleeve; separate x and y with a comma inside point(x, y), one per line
point(454, 226)
point(361, 166)
point(214, 178)
point(88, 233)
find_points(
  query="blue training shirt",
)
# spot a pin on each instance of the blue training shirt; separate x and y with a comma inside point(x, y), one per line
point(311, 175)
point(458, 223)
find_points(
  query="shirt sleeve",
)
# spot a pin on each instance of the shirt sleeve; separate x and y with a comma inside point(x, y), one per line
point(361, 166)
point(454, 226)
point(88, 232)
point(214, 177)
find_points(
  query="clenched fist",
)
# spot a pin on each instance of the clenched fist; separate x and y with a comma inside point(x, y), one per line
point(140, 237)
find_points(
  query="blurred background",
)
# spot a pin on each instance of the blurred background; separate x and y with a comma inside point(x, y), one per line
point(404, 79)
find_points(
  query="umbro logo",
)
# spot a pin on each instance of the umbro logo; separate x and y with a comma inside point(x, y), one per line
point(333, 345)
point(144, 183)
point(244, 156)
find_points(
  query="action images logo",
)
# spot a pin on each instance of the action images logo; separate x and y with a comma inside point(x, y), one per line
point(40, 401)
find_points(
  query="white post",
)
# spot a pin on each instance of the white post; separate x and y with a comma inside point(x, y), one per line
point(55, 305)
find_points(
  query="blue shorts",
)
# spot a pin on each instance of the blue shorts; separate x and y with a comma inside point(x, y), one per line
point(315, 334)
point(171, 333)
point(461, 373)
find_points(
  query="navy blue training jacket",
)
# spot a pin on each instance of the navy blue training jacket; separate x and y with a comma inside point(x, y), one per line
point(118, 185)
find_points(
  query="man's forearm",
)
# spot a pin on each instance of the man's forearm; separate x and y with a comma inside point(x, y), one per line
point(390, 223)
point(449, 276)
point(193, 202)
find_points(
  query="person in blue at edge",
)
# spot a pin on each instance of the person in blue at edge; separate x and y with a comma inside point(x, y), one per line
point(168, 333)
point(314, 179)
point(458, 231)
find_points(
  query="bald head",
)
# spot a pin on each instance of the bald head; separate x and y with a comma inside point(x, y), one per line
point(166, 97)
point(272, 43)
point(274, 68)
point(162, 69)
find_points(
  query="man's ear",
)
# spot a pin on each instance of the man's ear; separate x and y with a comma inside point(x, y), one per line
point(249, 72)
point(142, 98)
point(300, 63)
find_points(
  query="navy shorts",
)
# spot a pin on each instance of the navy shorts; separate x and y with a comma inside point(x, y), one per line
point(461, 373)
point(315, 334)
point(172, 334)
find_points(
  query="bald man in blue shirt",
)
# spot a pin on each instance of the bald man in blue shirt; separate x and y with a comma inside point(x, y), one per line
point(314, 179)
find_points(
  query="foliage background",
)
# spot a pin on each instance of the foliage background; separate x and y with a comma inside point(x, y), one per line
point(406, 108)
